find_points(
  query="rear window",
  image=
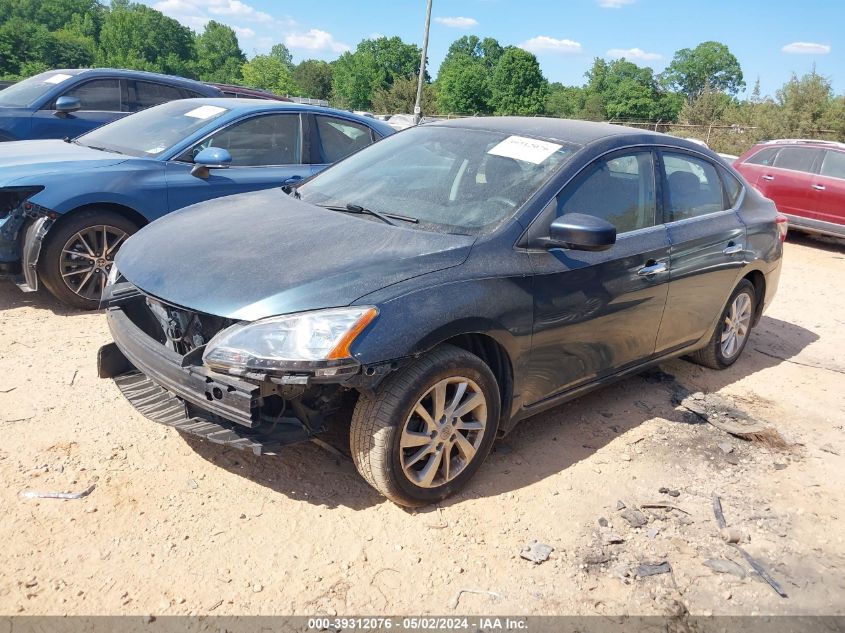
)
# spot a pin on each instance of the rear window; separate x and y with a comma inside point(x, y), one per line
point(148, 94)
point(796, 158)
point(732, 186)
point(834, 164)
point(764, 157)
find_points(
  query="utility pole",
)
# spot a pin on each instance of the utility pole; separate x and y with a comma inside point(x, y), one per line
point(421, 78)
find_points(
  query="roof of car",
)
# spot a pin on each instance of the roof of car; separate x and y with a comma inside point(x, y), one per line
point(138, 74)
point(569, 130)
point(258, 105)
point(804, 141)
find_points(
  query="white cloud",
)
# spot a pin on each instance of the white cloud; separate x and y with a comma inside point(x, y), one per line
point(457, 22)
point(614, 4)
point(806, 48)
point(544, 43)
point(633, 53)
point(316, 40)
point(237, 9)
point(245, 32)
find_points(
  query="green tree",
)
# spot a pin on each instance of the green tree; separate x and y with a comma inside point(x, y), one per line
point(463, 80)
point(219, 57)
point(708, 66)
point(517, 85)
point(402, 96)
point(270, 73)
point(374, 65)
point(463, 87)
point(565, 101)
point(313, 78)
point(281, 52)
point(136, 36)
point(804, 104)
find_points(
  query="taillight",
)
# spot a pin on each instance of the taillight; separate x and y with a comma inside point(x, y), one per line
point(782, 222)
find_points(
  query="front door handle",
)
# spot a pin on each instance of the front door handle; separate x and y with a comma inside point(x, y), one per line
point(818, 187)
point(652, 269)
point(733, 249)
point(768, 177)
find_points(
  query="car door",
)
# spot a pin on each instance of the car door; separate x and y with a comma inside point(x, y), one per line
point(333, 139)
point(788, 181)
point(708, 245)
point(757, 165)
point(829, 188)
point(102, 100)
point(266, 150)
point(598, 312)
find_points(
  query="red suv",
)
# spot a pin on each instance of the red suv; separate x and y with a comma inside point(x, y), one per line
point(805, 179)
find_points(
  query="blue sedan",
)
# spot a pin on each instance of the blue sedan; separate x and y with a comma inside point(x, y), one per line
point(69, 102)
point(67, 206)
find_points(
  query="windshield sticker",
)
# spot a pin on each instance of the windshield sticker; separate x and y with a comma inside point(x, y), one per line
point(529, 150)
point(156, 150)
point(205, 112)
point(57, 78)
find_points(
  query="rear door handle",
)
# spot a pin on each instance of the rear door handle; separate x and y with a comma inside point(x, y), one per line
point(653, 269)
point(767, 177)
point(818, 187)
point(733, 249)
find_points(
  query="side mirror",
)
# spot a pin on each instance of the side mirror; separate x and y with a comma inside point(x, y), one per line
point(581, 232)
point(289, 184)
point(66, 105)
point(210, 158)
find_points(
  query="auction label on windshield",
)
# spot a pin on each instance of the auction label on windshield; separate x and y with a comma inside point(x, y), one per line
point(205, 112)
point(525, 149)
point(57, 78)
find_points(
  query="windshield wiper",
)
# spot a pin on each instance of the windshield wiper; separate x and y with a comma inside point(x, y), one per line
point(102, 149)
point(384, 217)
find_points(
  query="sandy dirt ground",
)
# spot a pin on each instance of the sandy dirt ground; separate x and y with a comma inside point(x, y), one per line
point(176, 526)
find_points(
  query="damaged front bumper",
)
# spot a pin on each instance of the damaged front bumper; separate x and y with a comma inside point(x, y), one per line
point(22, 233)
point(178, 391)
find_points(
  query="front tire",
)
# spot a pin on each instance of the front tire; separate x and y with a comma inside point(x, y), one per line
point(732, 331)
point(426, 432)
point(78, 255)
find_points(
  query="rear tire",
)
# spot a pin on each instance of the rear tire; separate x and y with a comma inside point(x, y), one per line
point(75, 259)
point(428, 429)
point(732, 331)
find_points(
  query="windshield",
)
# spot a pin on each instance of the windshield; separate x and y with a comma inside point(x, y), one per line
point(25, 93)
point(153, 131)
point(451, 179)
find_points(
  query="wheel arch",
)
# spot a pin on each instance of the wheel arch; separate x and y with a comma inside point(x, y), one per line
point(758, 280)
point(127, 212)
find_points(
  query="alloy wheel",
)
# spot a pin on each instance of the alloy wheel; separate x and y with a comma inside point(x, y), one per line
point(443, 433)
point(87, 258)
point(736, 326)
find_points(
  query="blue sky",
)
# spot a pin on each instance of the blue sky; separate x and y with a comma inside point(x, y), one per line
point(771, 38)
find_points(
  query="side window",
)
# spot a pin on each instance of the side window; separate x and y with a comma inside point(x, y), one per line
point(339, 138)
point(732, 186)
point(148, 94)
point(834, 164)
point(693, 187)
point(270, 139)
point(765, 157)
point(619, 189)
point(98, 94)
point(797, 158)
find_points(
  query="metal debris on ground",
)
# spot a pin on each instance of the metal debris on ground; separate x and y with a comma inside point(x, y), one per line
point(652, 569)
point(755, 565)
point(722, 414)
point(665, 506)
point(457, 598)
point(35, 494)
point(723, 566)
point(536, 552)
point(635, 518)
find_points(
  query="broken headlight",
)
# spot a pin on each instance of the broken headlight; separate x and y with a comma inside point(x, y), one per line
point(12, 197)
point(273, 344)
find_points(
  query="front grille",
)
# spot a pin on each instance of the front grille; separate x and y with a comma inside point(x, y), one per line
point(179, 329)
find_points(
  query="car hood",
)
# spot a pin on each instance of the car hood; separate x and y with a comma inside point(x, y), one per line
point(20, 159)
point(260, 254)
